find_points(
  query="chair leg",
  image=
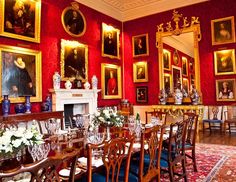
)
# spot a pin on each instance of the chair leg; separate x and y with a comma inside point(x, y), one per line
point(225, 127)
point(171, 173)
point(203, 127)
point(194, 160)
point(229, 128)
point(209, 127)
point(184, 170)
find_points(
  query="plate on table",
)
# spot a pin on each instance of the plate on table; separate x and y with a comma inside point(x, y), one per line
point(62, 132)
point(95, 162)
point(66, 172)
point(149, 125)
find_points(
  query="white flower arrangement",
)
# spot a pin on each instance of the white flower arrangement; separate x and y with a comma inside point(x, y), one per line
point(13, 139)
point(107, 117)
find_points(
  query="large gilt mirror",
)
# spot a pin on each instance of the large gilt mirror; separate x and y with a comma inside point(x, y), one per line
point(178, 53)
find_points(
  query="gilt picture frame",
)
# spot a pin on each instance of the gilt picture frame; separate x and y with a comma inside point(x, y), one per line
point(224, 62)
point(74, 60)
point(223, 30)
point(140, 71)
point(21, 19)
point(20, 73)
point(142, 94)
point(184, 66)
point(111, 81)
point(176, 76)
point(166, 59)
point(225, 90)
point(168, 86)
point(110, 41)
point(140, 45)
point(73, 20)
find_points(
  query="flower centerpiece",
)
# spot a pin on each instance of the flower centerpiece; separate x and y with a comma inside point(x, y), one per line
point(107, 117)
point(14, 139)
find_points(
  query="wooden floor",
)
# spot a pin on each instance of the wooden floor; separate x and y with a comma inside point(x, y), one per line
point(217, 138)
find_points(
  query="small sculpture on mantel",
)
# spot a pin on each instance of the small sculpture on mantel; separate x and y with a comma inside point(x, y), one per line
point(185, 93)
point(162, 97)
point(194, 96)
point(178, 95)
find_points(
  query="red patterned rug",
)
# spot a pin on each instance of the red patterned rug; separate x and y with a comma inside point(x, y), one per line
point(216, 163)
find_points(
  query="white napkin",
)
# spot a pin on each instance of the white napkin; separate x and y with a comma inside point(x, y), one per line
point(95, 162)
point(62, 132)
point(149, 125)
point(66, 172)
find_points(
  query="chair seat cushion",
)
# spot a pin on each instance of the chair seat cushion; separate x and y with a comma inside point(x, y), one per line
point(212, 121)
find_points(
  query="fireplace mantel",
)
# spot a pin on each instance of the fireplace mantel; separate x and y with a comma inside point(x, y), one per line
point(60, 97)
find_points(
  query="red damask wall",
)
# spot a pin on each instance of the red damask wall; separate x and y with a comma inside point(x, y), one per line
point(52, 32)
point(206, 12)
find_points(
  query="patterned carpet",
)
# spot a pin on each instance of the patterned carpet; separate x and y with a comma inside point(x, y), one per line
point(216, 163)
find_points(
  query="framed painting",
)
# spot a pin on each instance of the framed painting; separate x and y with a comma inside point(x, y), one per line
point(167, 83)
point(185, 85)
point(74, 60)
point(140, 45)
point(191, 65)
point(176, 77)
point(142, 94)
point(20, 19)
point(185, 66)
point(192, 79)
point(73, 20)
point(224, 62)
point(111, 81)
point(166, 59)
point(225, 90)
point(20, 73)
point(176, 58)
point(222, 30)
point(140, 71)
point(110, 41)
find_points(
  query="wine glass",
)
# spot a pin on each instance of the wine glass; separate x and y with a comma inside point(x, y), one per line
point(131, 124)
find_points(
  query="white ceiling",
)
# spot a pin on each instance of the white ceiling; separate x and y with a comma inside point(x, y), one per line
point(124, 10)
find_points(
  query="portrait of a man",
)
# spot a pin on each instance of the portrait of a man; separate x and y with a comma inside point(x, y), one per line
point(74, 60)
point(224, 62)
point(73, 21)
point(142, 94)
point(166, 59)
point(140, 45)
point(18, 78)
point(176, 77)
point(225, 89)
point(110, 41)
point(167, 83)
point(21, 19)
point(111, 81)
point(140, 71)
point(223, 30)
point(184, 66)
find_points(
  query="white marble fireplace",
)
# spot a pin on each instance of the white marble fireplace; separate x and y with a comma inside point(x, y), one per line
point(83, 101)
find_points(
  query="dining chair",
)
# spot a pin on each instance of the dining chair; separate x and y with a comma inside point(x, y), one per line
point(147, 164)
point(161, 115)
point(173, 152)
point(115, 155)
point(230, 118)
point(214, 120)
point(44, 170)
point(192, 126)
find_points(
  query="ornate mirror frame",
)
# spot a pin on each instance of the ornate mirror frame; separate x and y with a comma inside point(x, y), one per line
point(186, 27)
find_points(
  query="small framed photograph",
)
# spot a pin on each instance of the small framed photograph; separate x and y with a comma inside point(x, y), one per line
point(222, 30)
point(224, 62)
point(20, 19)
point(140, 71)
point(74, 60)
point(73, 20)
point(167, 83)
point(111, 81)
point(110, 41)
point(225, 90)
point(20, 73)
point(140, 45)
point(176, 77)
point(185, 84)
point(185, 66)
point(166, 59)
point(142, 94)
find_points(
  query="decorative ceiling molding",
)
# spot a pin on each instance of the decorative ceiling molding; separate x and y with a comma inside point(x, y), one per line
point(125, 10)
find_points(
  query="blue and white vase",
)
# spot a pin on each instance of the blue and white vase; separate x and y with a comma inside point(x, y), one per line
point(56, 80)
point(27, 104)
point(49, 102)
point(94, 82)
point(5, 105)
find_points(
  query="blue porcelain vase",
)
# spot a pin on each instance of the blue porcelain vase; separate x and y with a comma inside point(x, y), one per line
point(19, 108)
point(49, 102)
point(5, 105)
point(27, 104)
point(44, 107)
